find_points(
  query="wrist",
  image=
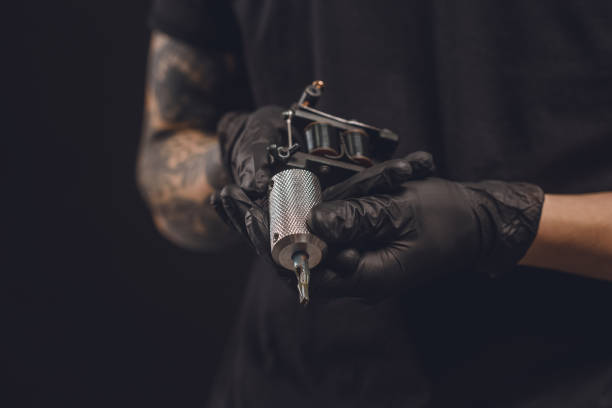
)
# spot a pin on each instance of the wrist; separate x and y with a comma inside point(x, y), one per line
point(508, 216)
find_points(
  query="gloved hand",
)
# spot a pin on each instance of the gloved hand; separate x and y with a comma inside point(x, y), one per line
point(244, 139)
point(250, 217)
point(426, 229)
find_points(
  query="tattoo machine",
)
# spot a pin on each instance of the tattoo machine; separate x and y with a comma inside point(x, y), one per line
point(335, 148)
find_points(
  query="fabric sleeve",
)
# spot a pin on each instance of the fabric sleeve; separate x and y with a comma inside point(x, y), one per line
point(207, 24)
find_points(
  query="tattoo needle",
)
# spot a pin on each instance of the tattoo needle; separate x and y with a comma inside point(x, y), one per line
point(302, 273)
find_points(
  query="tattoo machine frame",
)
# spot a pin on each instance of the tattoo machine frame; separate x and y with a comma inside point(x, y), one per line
point(334, 149)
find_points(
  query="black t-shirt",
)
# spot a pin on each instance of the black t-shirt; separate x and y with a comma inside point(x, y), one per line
point(518, 90)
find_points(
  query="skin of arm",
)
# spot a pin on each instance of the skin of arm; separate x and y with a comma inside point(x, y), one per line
point(179, 163)
point(575, 235)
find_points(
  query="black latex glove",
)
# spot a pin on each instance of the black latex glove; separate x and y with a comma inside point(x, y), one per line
point(244, 139)
point(250, 217)
point(428, 228)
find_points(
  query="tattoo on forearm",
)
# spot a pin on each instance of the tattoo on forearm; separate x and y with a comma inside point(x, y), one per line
point(179, 164)
point(176, 167)
point(182, 84)
point(177, 186)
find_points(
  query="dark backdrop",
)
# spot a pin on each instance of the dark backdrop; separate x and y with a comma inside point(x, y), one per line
point(101, 310)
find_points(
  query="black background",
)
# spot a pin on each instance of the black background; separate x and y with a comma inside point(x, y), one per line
point(98, 310)
point(101, 311)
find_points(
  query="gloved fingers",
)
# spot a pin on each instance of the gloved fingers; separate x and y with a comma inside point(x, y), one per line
point(245, 140)
point(258, 230)
point(249, 153)
point(334, 277)
point(370, 220)
point(422, 163)
point(377, 274)
point(231, 124)
point(343, 261)
point(328, 284)
point(235, 205)
point(215, 201)
point(245, 216)
point(383, 177)
point(380, 271)
point(400, 266)
point(251, 169)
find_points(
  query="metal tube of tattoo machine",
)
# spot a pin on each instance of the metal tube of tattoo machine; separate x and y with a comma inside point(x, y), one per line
point(293, 193)
point(334, 149)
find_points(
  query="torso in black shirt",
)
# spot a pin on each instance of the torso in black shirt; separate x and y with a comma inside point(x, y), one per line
point(518, 91)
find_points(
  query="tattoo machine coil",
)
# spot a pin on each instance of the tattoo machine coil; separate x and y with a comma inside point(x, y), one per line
point(334, 149)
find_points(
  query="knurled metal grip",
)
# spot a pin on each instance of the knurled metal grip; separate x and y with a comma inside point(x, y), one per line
point(293, 193)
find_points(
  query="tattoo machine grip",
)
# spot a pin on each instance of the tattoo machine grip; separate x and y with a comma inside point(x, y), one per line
point(293, 193)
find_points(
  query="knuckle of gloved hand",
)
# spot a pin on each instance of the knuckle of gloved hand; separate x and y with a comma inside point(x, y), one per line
point(345, 262)
point(398, 171)
point(402, 166)
point(325, 221)
point(422, 162)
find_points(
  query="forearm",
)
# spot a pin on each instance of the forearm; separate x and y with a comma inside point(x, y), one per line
point(179, 164)
point(574, 235)
point(177, 176)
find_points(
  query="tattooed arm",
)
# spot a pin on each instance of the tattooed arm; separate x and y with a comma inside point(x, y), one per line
point(179, 162)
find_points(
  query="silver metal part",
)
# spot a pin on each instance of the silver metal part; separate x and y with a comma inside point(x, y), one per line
point(293, 193)
point(320, 116)
point(288, 117)
point(302, 274)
